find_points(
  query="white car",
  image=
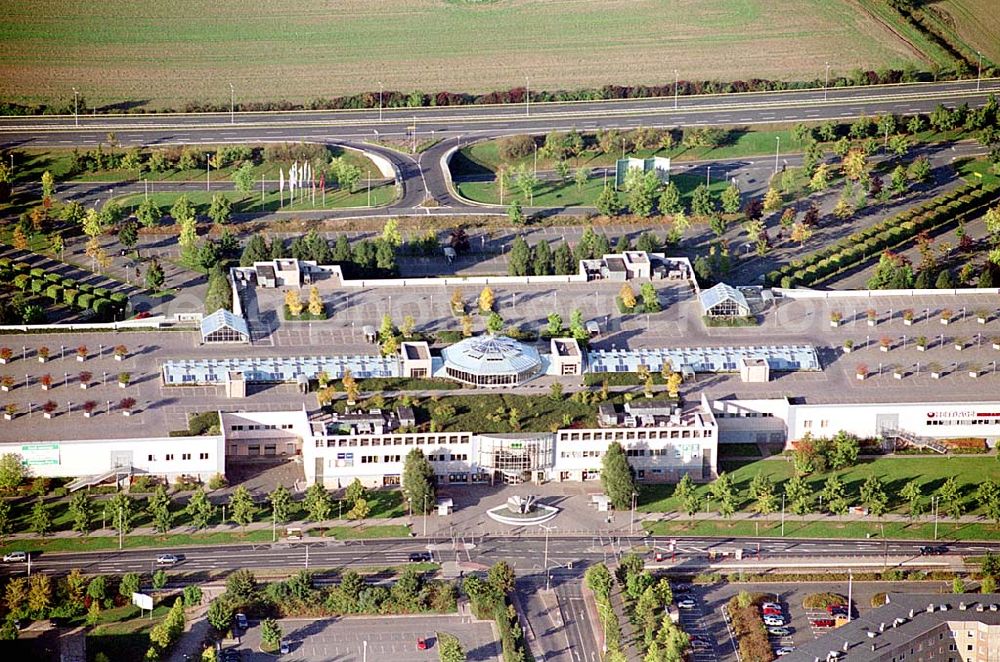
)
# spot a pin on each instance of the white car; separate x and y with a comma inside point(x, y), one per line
point(770, 605)
point(284, 648)
point(773, 620)
point(687, 603)
point(166, 559)
point(15, 557)
point(784, 650)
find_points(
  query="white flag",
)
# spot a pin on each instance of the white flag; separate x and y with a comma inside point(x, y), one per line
point(305, 172)
point(281, 180)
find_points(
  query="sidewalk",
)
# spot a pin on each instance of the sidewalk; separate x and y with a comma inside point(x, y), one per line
point(196, 629)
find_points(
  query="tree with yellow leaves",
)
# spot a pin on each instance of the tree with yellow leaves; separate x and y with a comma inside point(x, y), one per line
point(674, 384)
point(772, 200)
point(627, 296)
point(350, 387)
point(315, 302)
point(486, 300)
point(457, 304)
point(293, 302)
point(467, 326)
point(19, 239)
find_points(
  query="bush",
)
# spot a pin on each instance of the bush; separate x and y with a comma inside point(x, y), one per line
point(84, 300)
point(203, 424)
point(512, 148)
point(823, 600)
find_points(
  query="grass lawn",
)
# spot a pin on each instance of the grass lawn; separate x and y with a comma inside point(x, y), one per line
point(380, 195)
point(287, 50)
point(31, 163)
point(895, 473)
point(559, 194)
point(793, 529)
point(976, 171)
point(973, 23)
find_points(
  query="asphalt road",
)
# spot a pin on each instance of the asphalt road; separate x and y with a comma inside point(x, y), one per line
point(422, 176)
point(570, 555)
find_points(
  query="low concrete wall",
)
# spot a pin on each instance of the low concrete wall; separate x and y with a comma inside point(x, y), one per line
point(873, 294)
point(148, 323)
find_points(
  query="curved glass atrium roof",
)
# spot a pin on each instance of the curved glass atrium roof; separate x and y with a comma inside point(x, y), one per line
point(491, 355)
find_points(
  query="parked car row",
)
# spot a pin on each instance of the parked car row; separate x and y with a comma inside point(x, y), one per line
point(773, 615)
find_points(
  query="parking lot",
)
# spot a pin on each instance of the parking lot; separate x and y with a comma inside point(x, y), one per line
point(372, 639)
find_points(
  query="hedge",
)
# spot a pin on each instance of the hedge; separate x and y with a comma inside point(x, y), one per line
point(857, 247)
point(37, 272)
point(69, 296)
point(84, 300)
point(54, 292)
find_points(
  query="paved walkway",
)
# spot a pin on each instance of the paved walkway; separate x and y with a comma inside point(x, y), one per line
point(196, 628)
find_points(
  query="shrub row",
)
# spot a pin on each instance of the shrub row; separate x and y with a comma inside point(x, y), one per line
point(859, 246)
point(749, 628)
point(66, 291)
point(398, 99)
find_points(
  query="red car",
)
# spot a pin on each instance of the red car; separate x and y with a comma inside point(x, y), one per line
point(771, 611)
point(421, 644)
point(822, 622)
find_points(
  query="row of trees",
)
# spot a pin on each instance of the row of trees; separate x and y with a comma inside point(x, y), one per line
point(365, 259)
point(542, 260)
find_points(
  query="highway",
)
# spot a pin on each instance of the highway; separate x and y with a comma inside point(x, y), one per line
point(567, 555)
point(423, 176)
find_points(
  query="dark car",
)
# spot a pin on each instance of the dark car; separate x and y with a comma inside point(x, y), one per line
point(832, 609)
point(420, 557)
point(933, 550)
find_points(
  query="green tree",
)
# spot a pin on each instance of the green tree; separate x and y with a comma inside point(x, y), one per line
point(642, 192)
point(562, 260)
point(317, 502)
point(360, 510)
point(12, 471)
point(798, 495)
point(158, 507)
point(242, 179)
point(820, 180)
point(501, 576)
point(526, 182)
point(418, 482)
point(988, 496)
point(154, 276)
point(355, 492)
point(221, 209)
point(833, 492)
point(912, 493)
point(129, 584)
point(724, 491)
point(670, 199)
point(950, 496)
point(494, 323)
point(40, 595)
point(41, 518)
point(391, 234)
point(270, 633)
point(731, 198)
point(701, 201)
point(514, 212)
point(241, 506)
point(81, 510)
point(580, 177)
point(608, 203)
point(554, 326)
point(48, 184)
point(450, 648)
point(520, 257)
point(541, 264)
point(920, 169)
point(281, 503)
point(220, 614)
point(6, 524)
point(616, 477)
point(577, 329)
point(873, 495)
point(199, 509)
point(128, 234)
point(844, 451)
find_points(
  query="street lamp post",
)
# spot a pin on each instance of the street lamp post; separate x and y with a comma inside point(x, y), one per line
point(546, 561)
point(979, 71)
point(782, 514)
point(708, 176)
point(364, 654)
point(675, 89)
point(935, 501)
point(631, 523)
point(527, 97)
point(827, 83)
point(425, 516)
point(232, 104)
point(380, 101)
point(76, 107)
point(777, 149)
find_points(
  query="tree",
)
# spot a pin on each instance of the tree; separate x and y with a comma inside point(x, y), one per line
point(81, 510)
point(293, 302)
point(520, 257)
point(670, 199)
point(501, 577)
point(391, 234)
point(128, 234)
point(48, 184)
point(577, 329)
point(514, 212)
point(148, 213)
point(199, 509)
point(873, 495)
point(642, 192)
point(450, 648)
point(188, 237)
point(723, 490)
point(897, 180)
point(944, 280)
point(241, 506)
point(494, 323)
point(580, 177)
point(701, 201)
point(627, 296)
point(355, 492)
point(5, 519)
point(718, 224)
point(988, 496)
point(418, 482)
point(844, 451)
point(270, 633)
point(554, 326)
point(616, 477)
point(154, 276)
point(731, 198)
point(920, 169)
point(562, 260)
point(820, 180)
point(801, 233)
point(39, 594)
point(772, 200)
point(486, 300)
point(12, 471)
point(912, 493)
point(315, 302)
point(221, 209)
point(129, 584)
point(798, 495)
point(833, 492)
point(608, 203)
point(158, 507)
point(41, 518)
point(351, 388)
point(242, 178)
point(347, 175)
point(317, 502)
point(855, 164)
point(281, 501)
point(220, 614)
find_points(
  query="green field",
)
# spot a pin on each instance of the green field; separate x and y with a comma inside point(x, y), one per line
point(168, 53)
point(380, 195)
point(895, 472)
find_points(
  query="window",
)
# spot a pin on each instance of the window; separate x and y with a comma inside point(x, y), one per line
point(185, 456)
point(170, 457)
point(151, 458)
point(236, 428)
point(807, 424)
point(202, 456)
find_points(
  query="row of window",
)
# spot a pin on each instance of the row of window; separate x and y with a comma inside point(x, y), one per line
point(169, 457)
point(688, 451)
point(393, 440)
point(635, 435)
point(441, 457)
point(952, 421)
point(261, 426)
